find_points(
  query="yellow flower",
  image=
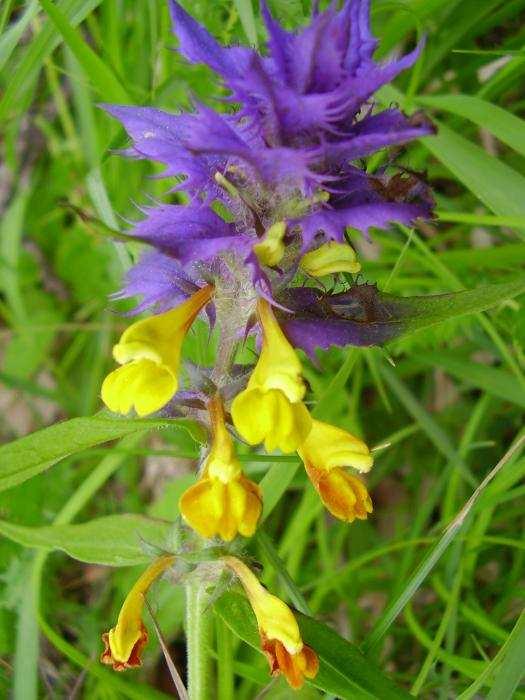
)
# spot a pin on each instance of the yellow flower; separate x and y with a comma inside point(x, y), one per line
point(149, 352)
point(270, 409)
point(330, 258)
point(324, 452)
point(270, 249)
point(124, 643)
point(223, 502)
point(280, 636)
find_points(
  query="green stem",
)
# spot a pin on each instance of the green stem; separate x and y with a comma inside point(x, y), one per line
point(198, 641)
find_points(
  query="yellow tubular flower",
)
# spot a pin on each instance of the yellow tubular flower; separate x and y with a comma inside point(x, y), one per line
point(330, 258)
point(270, 409)
point(149, 352)
point(124, 643)
point(280, 636)
point(223, 502)
point(324, 452)
point(270, 249)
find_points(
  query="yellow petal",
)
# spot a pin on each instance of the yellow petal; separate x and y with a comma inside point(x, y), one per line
point(253, 507)
point(252, 415)
point(290, 426)
point(330, 258)
point(327, 447)
point(202, 507)
point(234, 506)
point(271, 418)
point(343, 494)
point(270, 249)
point(213, 508)
point(278, 366)
point(159, 338)
point(222, 462)
point(274, 618)
point(125, 640)
point(142, 384)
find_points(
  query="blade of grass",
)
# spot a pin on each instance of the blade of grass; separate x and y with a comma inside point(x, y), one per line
point(503, 124)
point(450, 610)
point(506, 680)
point(429, 426)
point(18, 91)
point(425, 567)
point(102, 77)
point(245, 10)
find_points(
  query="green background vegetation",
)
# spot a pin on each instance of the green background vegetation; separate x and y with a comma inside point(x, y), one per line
point(439, 613)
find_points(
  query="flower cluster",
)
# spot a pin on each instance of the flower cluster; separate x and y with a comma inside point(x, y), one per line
point(270, 188)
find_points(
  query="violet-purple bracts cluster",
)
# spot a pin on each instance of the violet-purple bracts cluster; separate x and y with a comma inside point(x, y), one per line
point(288, 153)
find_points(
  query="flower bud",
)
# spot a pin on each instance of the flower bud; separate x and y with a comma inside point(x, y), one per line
point(280, 636)
point(330, 258)
point(124, 642)
point(270, 249)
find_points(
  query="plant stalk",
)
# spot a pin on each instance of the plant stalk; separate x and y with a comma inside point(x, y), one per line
point(198, 641)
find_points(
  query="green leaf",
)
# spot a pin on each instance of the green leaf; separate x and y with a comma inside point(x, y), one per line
point(245, 10)
point(45, 40)
point(275, 482)
point(503, 124)
point(413, 313)
point(493, 380)
point(24, 458)
point(495, 184)
point(115, 540)
point(11, 36)
point(343, 670)
point(102, 77)
point(460, 523)
point(511, 656)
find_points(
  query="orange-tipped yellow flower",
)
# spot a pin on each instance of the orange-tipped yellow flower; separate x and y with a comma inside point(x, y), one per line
point(149, 352)
point(124, 643)
point(270, 409)
point(324, 452)
point(280, 636)
point(223, 502)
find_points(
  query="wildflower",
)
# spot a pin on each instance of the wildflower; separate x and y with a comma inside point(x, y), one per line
point(270, 409)
point(124, 642)
point(149, 352)
point(280, 636)
point(288, 159)
point(223, 502)
point(330, 258)
point(324, 452)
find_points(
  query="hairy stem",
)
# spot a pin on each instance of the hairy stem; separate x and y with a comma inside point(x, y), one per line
point(198, 641)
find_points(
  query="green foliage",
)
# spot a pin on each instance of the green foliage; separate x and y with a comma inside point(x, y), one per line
point(435, 611)
point(34, 453)
point(116, 540)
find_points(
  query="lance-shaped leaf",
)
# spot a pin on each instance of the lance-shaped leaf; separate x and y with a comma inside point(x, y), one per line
point(343, 670)
point(24, 458)
point(115, 540)
point(365, 316)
